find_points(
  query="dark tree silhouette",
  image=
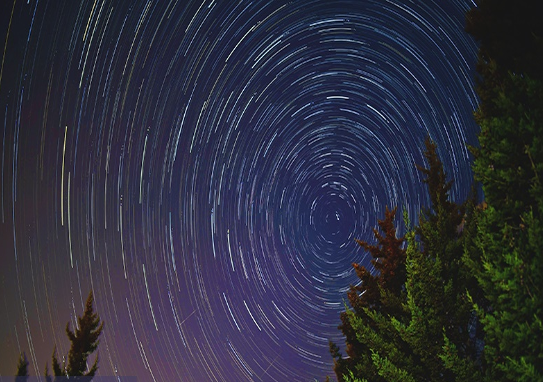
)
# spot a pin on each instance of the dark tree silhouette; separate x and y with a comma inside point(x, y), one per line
point(22, 368)
point(510, 40)
point(58, 370)
point(47, 375)
point(84, 341)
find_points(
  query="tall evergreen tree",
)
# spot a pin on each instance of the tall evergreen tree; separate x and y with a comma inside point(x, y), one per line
point(509, 164)
point(423, 332)
point(441, 249)
point(84, 341)
point(381, 292)
point(436, 335)
point(22, 368)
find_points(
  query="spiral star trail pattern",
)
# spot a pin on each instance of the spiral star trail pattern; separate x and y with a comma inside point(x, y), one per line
point(204, 167)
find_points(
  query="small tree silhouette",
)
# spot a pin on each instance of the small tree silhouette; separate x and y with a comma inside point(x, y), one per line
point(22, 368)
point(84, 342)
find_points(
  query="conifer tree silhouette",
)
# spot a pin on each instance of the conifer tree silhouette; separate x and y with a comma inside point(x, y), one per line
point(22, 368)
point(84, 341)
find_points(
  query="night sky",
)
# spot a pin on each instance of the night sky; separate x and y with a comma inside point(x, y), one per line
point(205, 166)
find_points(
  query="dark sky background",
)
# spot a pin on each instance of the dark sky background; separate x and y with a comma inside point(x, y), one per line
point(205, 166)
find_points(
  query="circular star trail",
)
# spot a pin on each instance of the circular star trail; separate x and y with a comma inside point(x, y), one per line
point(205, 168)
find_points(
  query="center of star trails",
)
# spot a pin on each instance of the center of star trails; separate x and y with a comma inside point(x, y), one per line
point(333, 220)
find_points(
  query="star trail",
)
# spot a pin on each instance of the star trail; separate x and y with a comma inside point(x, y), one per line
point(205, 168)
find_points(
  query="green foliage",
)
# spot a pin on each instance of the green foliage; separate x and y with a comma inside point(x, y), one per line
point(417, 328)
point(509, 164)
point(441, 312)
point(349, 377)
point(382, 293)
point(469, 265)
point(463, 369)
point(509, 161)
point(512, 279)
point(389, 371)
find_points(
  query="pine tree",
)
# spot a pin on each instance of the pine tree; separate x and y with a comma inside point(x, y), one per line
point(22, 368)
point(58, 371)
point(376, 292)
point(442, 242)
point(84, 341)
point(437, 334)
point(418, 328)
point(509, 164)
